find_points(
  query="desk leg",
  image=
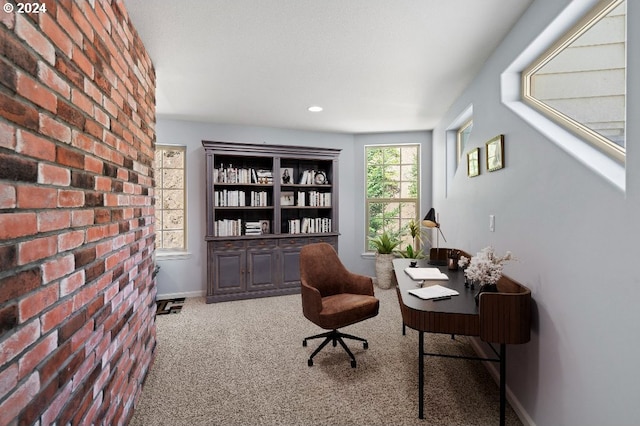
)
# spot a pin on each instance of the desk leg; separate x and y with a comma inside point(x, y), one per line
point(503, 382)
point(421, 375)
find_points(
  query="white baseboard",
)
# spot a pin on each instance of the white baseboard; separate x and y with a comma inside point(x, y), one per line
point(493, 371)
point(177, 295)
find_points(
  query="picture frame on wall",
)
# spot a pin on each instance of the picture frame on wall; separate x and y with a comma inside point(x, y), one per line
point(473, 162)
point(495, 153)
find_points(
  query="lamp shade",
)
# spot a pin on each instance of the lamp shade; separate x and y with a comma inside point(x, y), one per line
point(430, 219)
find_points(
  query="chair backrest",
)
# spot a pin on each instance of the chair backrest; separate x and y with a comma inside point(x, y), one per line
point(321, 268)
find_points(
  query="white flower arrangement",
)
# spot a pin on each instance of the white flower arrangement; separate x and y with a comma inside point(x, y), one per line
point(485, 267)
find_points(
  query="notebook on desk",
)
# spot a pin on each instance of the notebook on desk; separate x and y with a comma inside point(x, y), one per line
point(425, 274)
point(433, 292)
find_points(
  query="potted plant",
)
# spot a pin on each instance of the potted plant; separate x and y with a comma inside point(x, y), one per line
point(412, 251)
point(385, 245)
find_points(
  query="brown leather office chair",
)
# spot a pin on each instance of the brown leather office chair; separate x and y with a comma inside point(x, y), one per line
point(333, 297)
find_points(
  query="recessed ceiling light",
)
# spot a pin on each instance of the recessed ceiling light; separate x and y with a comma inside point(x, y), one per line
point(315, 108)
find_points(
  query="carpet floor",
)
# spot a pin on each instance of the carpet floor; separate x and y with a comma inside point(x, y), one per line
point(242, 363)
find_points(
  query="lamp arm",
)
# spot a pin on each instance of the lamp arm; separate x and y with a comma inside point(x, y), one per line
point(445, 240)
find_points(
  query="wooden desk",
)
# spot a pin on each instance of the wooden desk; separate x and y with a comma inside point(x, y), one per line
point(502, 318)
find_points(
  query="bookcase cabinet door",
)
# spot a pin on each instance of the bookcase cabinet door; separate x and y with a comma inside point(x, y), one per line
point(229, 269)
point(262, 267)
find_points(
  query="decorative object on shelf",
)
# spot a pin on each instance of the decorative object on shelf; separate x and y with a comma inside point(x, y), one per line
point(473, 162)
point(485, 268)
point(495, 153)
point(430, 221)
point(287, 198)
point(286, 176)
point(264, 227)
point(454, 256)
point(385, 244)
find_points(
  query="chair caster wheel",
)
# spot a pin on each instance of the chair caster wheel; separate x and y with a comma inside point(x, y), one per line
point(365, 345)
point(353, 364)
point(304, 343)
point(310, 363)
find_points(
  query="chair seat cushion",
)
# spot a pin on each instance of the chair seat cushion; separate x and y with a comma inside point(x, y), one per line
point(340, 310)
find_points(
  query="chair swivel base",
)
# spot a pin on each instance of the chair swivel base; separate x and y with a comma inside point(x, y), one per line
point(336, 337)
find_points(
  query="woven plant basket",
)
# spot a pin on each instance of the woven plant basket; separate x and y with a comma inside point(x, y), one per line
point(384, 270)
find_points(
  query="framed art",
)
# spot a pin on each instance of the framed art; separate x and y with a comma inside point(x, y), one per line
point(286, 177)
point(495, 153)
point(286, 198)
point(473, 162)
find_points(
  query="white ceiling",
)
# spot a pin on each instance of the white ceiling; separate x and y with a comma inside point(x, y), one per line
point(373, 65)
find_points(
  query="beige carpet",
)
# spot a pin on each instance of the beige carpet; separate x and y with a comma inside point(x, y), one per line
point(242, 363)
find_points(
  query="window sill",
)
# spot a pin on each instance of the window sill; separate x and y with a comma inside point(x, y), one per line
point(172, 255)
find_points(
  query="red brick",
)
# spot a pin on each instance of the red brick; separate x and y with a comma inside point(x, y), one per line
point(17, 285)
point(55, 129)
point(70, 114)
point(53, 220)
point(82, 101)
point(71, 283)
point(35, 303)
point(69, 70)
point(35, 146)
point(102, 118)
point(13, 225)
point(50, 78)
point(7, 196)
point(69, 157)
point(19, 341)
point(36, 197)
point(69, 26)
point(55, 33)
point(93, 91)
point(40, 248)
point(82, 217)
point(38, 42)
point(52, 412)
point(103, 184)
point(52, 318)
point(7, 136)
point(36, 92)
point(94, 129)
point(18, 112)
point(53, 175)
point(8, 379)
point(92, 164)
point(70, 240)
point(80, 59)
point(57, 268)
point(70, 198)
point(19, 399)
point(79, 338)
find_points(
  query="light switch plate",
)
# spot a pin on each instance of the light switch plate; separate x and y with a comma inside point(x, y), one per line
point(492, 223)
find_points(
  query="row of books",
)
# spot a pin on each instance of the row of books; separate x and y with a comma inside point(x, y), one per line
point(301, 199)
point(309, 225)
point(237, 198)
point(236, 227)
point(241, 175)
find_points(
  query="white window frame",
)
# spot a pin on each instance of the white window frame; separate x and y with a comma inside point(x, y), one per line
point(368, 200)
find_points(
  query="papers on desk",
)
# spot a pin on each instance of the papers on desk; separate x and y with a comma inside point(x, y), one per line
point(425, 274)
point(433, 292)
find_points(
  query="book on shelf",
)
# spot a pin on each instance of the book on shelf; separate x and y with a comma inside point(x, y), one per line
point(226, 198)
point(227, 227)
point(308, 225)
point(259, 199)
point(244, 175)
point(313, 177)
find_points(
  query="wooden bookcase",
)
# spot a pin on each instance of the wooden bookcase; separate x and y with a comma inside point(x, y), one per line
point(263, 203)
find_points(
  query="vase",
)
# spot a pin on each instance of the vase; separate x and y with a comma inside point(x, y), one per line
point(384, 270)
point(486, 288)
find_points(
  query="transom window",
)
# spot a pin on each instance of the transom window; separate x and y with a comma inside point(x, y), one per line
point(170, 198)
point(392, 195)
point(462, 137)
point(580, 82)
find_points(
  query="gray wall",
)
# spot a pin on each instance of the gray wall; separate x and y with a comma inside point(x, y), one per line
point(574, 234)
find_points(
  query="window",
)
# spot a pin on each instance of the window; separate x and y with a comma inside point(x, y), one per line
point(462, 137)
point(170, 198)
point(392, 195)
point(580, 82)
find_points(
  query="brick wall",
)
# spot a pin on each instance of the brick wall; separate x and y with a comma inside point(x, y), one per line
point(77, 118)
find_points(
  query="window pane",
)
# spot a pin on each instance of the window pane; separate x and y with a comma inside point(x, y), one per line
point(170, 215)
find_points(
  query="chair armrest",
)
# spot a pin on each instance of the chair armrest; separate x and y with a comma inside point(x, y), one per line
point(311, 302)
point(358, 284)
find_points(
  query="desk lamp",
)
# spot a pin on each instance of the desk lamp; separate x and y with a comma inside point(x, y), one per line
point(430, 221)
